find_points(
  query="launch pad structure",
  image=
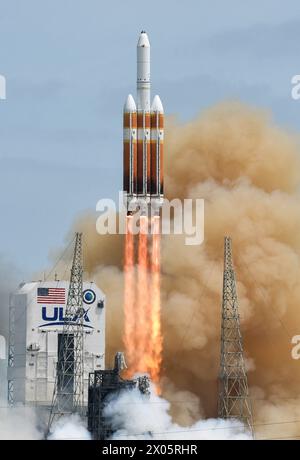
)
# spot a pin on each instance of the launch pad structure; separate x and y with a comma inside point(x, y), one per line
point(103, 386)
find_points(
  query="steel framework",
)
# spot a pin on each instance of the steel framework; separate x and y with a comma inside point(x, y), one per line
point(103, 384)
point(68, 388)
point(234, 401)
point(11, 353)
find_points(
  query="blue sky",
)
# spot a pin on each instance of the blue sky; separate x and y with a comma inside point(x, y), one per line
point(69, 66)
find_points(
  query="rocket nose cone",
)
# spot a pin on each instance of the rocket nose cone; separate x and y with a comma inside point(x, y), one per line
point(143, 40)
point(129, 105)
point(157, 105)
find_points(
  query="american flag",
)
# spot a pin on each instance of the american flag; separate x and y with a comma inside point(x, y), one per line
point(51, 295)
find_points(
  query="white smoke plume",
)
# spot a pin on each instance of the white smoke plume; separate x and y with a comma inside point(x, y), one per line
point(19, 423)
point(28, 423)
point(137, 416)
point(71, 428)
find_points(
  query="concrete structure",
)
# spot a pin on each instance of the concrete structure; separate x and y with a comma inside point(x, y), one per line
point(36, 324)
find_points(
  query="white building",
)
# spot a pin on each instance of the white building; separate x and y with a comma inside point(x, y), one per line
point(36, 325)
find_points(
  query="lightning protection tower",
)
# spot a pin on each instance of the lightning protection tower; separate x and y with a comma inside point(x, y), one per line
point(68, 389)
point(234, 402)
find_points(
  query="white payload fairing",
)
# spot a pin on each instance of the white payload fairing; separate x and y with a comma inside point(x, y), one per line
point(143, 136)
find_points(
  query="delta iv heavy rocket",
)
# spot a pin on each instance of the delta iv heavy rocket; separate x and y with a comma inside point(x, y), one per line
point(143, 136)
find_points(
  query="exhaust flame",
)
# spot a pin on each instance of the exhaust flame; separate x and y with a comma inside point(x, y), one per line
point(156, 335)
point(142, 332)
point(129, 324)
point(142, 314)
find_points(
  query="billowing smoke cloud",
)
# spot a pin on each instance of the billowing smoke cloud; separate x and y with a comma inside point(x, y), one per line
point(137, 416)
point(19, 423)
point(71, 428)
point(30, 423)
point(247, 170)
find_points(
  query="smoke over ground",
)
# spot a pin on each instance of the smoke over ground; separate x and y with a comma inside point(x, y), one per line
point(247, 170)
point(19, 423)
point(70, 428)
point(136, 416)
point(30, 423)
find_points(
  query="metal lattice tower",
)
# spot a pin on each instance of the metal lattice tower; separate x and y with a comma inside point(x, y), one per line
point(11, 352)
point(68, 388)
point(234, 402)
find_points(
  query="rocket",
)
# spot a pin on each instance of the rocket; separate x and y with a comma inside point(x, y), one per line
point(143, 137)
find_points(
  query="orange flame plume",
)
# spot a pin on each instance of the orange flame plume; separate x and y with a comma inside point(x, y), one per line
point(142, 331)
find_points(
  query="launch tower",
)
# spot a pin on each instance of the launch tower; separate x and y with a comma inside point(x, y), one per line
point(234, 402)
point(68, 389)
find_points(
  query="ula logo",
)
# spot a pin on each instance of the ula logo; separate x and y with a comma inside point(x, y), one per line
point(56, 317)
point(2, 87)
